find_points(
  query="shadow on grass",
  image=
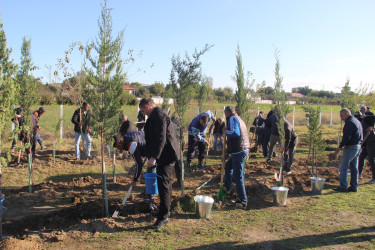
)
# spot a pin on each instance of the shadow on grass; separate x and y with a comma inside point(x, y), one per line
point(359, 235)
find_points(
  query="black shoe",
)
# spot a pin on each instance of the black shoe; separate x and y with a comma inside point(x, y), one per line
point(241, 204)
point(202, 168)
point(340, 189)
point(160, 223)
point(351, 189)
point(152, 207)
point(199, 165)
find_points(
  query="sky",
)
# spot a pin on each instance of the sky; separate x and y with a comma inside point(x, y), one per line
point(321, 43)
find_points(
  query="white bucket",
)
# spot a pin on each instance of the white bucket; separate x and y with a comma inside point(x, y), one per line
point(280, 194)
point(317, 184)
point(203, 205)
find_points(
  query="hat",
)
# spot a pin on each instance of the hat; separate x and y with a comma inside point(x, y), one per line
point(229, 109)
point(41, 109)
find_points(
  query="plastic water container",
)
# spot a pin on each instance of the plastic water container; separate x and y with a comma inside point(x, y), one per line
point(2, 205)
point(151, 183)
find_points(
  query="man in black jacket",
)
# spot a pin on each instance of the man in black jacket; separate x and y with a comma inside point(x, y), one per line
point(81, 121)
point(163, 151)
point(35, 129)
point(18, 122)
point(126, 125)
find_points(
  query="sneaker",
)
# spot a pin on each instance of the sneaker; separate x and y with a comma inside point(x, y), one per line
point(371, 182)
point(160, 223)
point(227, 192)
point(241, 204)
point(152, 207)
point(288, 172)
point(202, 168)
point(199, 165)
point(351, 189)
point(340, 189)
point(43, 147)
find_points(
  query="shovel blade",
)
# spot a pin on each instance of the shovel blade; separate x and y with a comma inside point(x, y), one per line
point(221, 194)
point(115, 214)
point(277, 177)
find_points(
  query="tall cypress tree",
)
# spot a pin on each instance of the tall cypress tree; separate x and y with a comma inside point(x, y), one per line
point(243, 103)
point(27, 83)
point(105, 81)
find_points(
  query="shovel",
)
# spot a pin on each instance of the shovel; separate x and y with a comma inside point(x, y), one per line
point(221, 194)
point(118, 210)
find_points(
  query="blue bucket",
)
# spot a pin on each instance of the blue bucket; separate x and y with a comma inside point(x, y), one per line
point(151, 183)
point(2, 205)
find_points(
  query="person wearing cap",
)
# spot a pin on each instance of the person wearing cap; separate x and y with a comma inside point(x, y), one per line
point(35, 128)
point(18, 122)
point(135, 143)
point(238, 145)
point(351, 145)
point(363, 110)
point(126, 125)
point(197, 130)
point(81, 120)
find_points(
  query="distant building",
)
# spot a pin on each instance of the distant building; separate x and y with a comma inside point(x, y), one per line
point(129, 89)
point(298, 95)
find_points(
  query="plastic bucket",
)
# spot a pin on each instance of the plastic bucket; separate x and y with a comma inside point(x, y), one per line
point(203, 205)
point(2, 205)
point(151, 183)
point(317, 184)
point(280, 195)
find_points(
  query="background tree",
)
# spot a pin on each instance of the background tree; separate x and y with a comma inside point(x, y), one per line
point(105, 82)
point(185, 74)
point(348, 98)
point(157, 89)
point(28, 85)
point(242, 92)
point(203, 94)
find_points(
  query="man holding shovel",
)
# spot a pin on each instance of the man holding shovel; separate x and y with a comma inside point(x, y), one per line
point(197, 130)
point(163, 151)
point(135, 143)
point(81, 121)
point(351, 142)
point(290, 145)
point(238, 145)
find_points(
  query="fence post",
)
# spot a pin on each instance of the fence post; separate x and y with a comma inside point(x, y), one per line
point(307, 119)
point(330, 121)
point(61, 121)
point(294, 111)
point(258, 111)
point(198, 110)
point(320, 117)
point(114, 166)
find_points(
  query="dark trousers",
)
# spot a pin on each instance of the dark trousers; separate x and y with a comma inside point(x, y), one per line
point(266, 141)
point(33, 142)
point(178, 171)
point(289, 155)
point(369, 153)
point(192, 143)
point(165, 188)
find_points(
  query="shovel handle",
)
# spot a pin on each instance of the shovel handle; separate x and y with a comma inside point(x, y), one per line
point(222, 162)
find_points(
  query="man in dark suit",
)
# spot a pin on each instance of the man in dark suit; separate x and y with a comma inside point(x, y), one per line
point(163, 152)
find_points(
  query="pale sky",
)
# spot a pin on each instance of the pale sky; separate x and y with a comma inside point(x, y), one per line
point(322, 42)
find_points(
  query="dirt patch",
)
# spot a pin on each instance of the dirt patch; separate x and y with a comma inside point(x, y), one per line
point(62, 211)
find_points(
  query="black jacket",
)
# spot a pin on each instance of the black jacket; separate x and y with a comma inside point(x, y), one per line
point(218, 129)
point(85, 120)
point(161, 142)
point(140, 117)
point(126, 127)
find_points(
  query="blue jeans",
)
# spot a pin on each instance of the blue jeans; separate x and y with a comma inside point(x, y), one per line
point(349, 161)
point(234, 170)
point(218, 136)
point(87, 138)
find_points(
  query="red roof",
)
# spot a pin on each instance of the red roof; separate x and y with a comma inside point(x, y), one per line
point(297, 95)
point(127, 87)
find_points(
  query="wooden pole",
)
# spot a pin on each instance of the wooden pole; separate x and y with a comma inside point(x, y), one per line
point(54, 151)
point(114, 166)
point(61, 121)
point(320, 117)
point(30, 174)
point(294, 111)
point(330, 120)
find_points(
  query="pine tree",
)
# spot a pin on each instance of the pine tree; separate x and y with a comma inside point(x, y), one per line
point(8, 88)
point(28, 85)
point(184, 75)
point(348, 98)
point(105, 81)
point(241, 96)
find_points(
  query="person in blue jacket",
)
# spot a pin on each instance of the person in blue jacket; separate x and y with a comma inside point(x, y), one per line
point(197, 130)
